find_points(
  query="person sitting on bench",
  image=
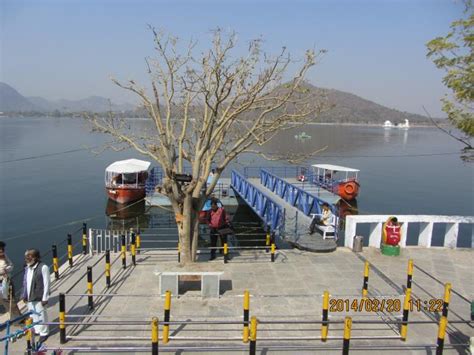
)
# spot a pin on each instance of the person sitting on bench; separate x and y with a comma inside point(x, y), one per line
point(323, 219)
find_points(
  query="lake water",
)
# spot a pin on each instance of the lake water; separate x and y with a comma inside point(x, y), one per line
point(416, 171)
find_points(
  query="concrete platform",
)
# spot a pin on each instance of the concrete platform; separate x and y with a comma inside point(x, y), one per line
point(288, 290)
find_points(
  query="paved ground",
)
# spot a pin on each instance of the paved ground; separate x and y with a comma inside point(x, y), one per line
point(289, 290)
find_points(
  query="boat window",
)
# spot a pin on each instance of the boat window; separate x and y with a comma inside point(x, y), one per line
point(129, 178)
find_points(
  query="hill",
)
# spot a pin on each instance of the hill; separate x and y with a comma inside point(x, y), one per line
point(12, 101)
point(345, 107)
point(349, 108)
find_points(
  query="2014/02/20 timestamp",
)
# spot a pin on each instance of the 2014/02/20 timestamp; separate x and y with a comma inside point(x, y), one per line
point(384, 305)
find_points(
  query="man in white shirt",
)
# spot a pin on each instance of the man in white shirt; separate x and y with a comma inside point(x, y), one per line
point(36, 291)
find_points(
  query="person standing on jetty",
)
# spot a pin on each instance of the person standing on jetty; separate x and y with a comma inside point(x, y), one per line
point(6, 267)
point(36, 291)
point(218, 220)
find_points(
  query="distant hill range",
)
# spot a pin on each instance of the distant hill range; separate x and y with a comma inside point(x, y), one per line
point(12, 101)
point(347, 108)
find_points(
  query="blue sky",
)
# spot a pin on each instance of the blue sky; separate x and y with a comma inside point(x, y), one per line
point(376, 49)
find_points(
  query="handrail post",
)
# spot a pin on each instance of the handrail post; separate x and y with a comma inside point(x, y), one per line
point(446, 299)
point(138, 241)
point(62, 318)
point(166, 326)
point(325, 323)
point(123, 252)
point(29, 335)
point(84, 238)
point(55, 262)
point(154, 336)
point(245, 334)
point(133, 249)
point(347, 335)
point(267, 240)
point(443, 323)
point(226, 251)
point(410, 273)
point(69, 250)
point(107, 268)
point(365, 285)
point(406, 311)
point(253, 336)
point(90, 291)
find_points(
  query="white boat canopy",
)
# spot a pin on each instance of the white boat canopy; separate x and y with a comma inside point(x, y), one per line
point(334, 167)
point(128, 166)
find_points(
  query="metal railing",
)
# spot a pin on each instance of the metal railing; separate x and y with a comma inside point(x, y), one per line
point(426, 222)
point(271, 213)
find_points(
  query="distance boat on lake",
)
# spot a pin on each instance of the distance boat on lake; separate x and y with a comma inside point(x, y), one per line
point(125, 180)
point(341, 180)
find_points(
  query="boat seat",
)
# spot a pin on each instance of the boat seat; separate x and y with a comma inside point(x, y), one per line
point(329, 231)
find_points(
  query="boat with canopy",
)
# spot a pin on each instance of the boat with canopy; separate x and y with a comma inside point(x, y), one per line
point(340, 180)
point(125, 180)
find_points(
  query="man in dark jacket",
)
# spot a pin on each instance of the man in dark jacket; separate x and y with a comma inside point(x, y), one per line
point(218, 220)
point(36, 291)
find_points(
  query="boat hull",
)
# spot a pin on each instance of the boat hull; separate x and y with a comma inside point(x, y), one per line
point(125, 195)
point(348, 190)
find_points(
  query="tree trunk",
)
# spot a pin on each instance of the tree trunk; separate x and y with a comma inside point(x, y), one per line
point(188, 230)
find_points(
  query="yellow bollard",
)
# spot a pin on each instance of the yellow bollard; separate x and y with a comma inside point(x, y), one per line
point(226, 253)
point(347, 335)
point(84, 238)
point(267, 240)
point(273, 252)
point(90, 288)
point(69, 250)
point(245, 337)
point(55, 262)
point(107, 268)
point(253, 335)
point(406, 311)
point(325, 324)
point(154, 336)
point(410, 273)
point(123, 253)
point(29, 336)
point(443, 323)
point(139, 241)
point(365, 286)
point(166, 327)
point(62, 318)
point(133, 249)
point(447, 297)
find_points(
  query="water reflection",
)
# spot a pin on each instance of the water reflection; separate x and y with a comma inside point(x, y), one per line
point(386, 135)
point(405, 137)
point(120, 216)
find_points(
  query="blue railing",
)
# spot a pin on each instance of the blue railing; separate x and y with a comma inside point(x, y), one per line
point(155, 177)
point(268, 210)
point(305, 201)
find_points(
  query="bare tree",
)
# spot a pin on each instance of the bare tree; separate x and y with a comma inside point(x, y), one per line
point(206, 110)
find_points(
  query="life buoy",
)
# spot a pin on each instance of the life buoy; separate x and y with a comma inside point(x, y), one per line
point(348, 189)
point(301, 178)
